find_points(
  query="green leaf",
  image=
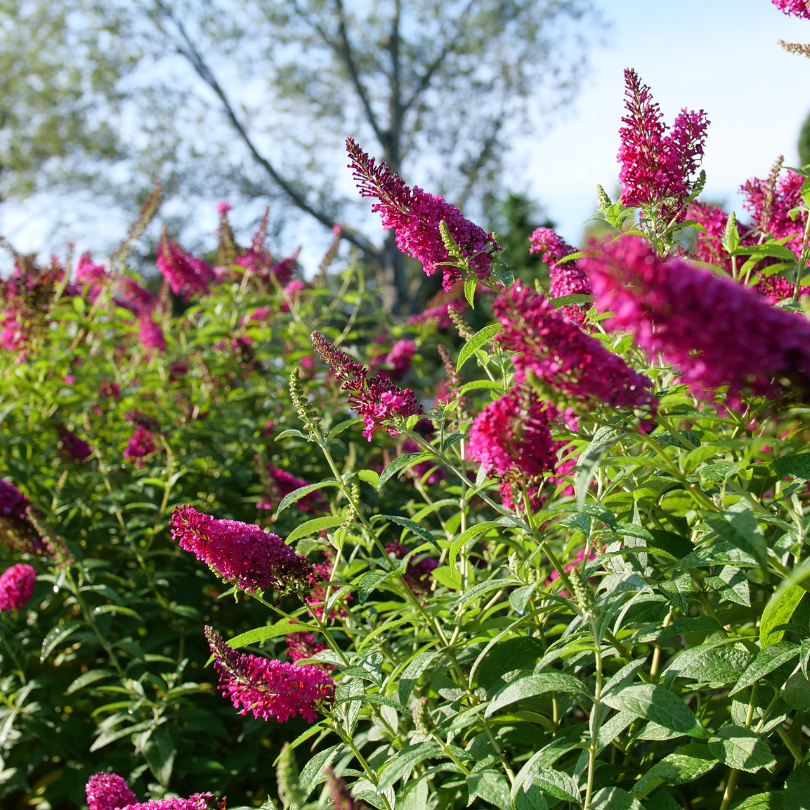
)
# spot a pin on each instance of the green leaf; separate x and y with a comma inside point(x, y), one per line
point(117, 609)
point(557, 784)
point(448, 577)
point(772, 800)
point(614, 798)
point(451, 440)
point(797, 692)
point(313, 527)
point(57, 636)
point(378, 700)
point(339, 428)
point(282, 628)
point(465, 536)
point(400, 463)
point(742, 749)
point(368, 583)
point(481, 385)
point(778, 611)
point(767, 660)
point(475, 342)
point(805, 191)
point(533, 685)
point(738, 526)
point(290, 432)
point(404, 761)
point(796, 465)
point(684, 765)
point(509, 655)
point(111, 735)
point(297, 494)
point(87, 678)
point(480, 589)
point(519, 598)
point(421, 531)
point(589, 461)
point(410, 675)
point(370, 477)
point(568, 300)
point(159, 754)
point(654, 702)
point(490, 785)
point(469, 289)
point(312, 772)
point(718, 665)
point(677, 590)
point(732, 585)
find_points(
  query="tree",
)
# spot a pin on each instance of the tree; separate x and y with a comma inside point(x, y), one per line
point(804, 142)
point(254, 97)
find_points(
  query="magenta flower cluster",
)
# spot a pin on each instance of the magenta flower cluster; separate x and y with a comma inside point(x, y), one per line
point(769, 202)
point(242, 553)
point(658, 164)
point(798, 8)
point(109, 791)
point(12, 502)
point(151, 335)
point(187, 275)
point(16, 586)
point(283, 483)
point(558, 352)
point(716, 332)
point(415, 215)
point(73, 448)
point(399, 358)
point(303, 645)
point(140, 445)
point(566, 278)
point(270, 688)
point(375, 399)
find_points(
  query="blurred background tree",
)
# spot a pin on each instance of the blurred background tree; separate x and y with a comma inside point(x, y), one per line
point(804, 142)
point(251, 100)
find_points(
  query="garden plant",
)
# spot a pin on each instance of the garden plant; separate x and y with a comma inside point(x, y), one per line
point(260, 542)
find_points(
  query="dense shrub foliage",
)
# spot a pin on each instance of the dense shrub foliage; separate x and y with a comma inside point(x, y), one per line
point(554, 562)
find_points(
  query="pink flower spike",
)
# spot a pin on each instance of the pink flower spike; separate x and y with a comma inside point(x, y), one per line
point(199, 801)
point(108, 791)
point(140, 446)
point(269, 688)
point(187, 275)
point(798, 8)
point(151, 335)
point(715, 331)
point(16, 586)
point(563, 356)
point(415, 216)
point(566, 278)
point(242, 553)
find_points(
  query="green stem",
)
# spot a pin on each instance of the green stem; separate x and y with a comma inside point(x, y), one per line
point(595, 716)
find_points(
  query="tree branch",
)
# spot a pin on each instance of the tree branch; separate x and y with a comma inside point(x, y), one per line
point(195, 59)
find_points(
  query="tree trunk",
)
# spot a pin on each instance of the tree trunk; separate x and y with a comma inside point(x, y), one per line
point(394, 294)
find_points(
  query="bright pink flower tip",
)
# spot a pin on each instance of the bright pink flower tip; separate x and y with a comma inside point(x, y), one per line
point(16, 586)
point(141, 444)
point(270, 688)
point(243, 553)
point(187, 275)
point(223, 208)
point(108, 791)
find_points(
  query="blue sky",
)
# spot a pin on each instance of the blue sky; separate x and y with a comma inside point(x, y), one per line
point(718, 55)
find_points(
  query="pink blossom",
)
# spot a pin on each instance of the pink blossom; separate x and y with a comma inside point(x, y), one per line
point(375, 399)
point(108, 791)
point(223, 208)
point(303, 645)
point(283, 483)
point(566, 278)
point(415, 216)
point(440, 314)
point(714, 331)
point(151, 335)
point(74, 448)
point(187, 275)
point(199, 801)
point(769, 201)
point(399, 358)
point(657, 165)
point(270, 688)
point(563, 356)
point(139, 446)
point(778, 288)
point(90, 275)
point(12, 502)
point(798, 8)
point(242, 553)
point(136, 298)
point(16, 586)
point(708, 246)
point(291, 291)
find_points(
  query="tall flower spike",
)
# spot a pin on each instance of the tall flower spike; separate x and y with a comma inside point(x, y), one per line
point(187, 275)
point(415, 216)
point(199, 801)
point(657, 165)
point(108, 791)
point(563, 356)
point(566, 277)
point(270, 688)
point(375, 399)
point(242, 553)
point(714, 331)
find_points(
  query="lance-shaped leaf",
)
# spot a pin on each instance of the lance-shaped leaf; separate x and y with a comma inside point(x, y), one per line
point(654, 702)
point(742, 749)
point(767, 660)
point(533, 685)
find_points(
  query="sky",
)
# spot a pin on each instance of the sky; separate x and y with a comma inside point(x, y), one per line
point(721, 56)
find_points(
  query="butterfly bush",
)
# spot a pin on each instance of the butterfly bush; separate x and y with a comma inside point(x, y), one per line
point(568, 571)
